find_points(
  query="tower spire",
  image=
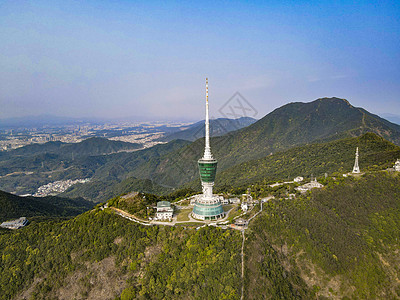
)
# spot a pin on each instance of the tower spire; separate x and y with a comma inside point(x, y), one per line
point(207, 205)
point(356, 168)
point(207, 149)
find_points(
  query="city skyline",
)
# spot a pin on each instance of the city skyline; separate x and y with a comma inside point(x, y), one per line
point(118, 60)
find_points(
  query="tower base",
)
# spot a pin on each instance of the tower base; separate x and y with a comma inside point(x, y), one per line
point(208, 209)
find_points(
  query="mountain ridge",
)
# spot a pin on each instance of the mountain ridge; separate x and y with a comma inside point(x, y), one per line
point(13, 206)
point(218, 127)
point(291, 125)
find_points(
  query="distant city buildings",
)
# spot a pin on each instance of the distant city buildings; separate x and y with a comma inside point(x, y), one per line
point(15, 224)
point(145, 133)
point(57, 187)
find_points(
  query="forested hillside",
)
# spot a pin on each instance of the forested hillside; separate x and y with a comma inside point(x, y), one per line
point(174, 164)
point(89, 147)
point(291, 125)
point(24, 174)
point(340, 242)
point(12, 206)
point(103, 255)
point(315, 159)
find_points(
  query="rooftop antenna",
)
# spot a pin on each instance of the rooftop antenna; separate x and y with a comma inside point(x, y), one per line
point(207, 150)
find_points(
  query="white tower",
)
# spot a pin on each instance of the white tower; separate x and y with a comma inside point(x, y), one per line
point(356, 168)
point(207, 150)
point(208, 206)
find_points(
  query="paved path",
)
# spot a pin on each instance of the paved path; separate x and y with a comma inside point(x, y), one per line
point(206, 223)
point(129, 216)
point(242, 264)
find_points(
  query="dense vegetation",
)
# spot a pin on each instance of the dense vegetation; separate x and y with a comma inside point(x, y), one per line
point(315, 159)
point(100, 191)
point(291, 125)
point(24, 173)
point(337, 242)
point(13, 206)
point(173, 164)
point(142, 205)
point(341, 241)
point(102, 254)
point(89, 147)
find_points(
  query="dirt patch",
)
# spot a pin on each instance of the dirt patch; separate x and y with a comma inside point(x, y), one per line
point(100, 280)
point(27, 294)
point(314, 276)
point(151, 252)
point(118, 240)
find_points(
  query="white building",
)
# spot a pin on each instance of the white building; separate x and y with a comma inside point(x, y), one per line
point(308, 186)
point(15, 224)
point(244, 206)
point(164, 210)
point(234, 200)
point(396, 166)
point(298, 179)
point(224, 201)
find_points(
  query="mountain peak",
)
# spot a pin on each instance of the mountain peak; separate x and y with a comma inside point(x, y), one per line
point(335, 99)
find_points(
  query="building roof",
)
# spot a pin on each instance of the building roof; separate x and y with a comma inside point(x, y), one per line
point(241, 222)
point(163, 204)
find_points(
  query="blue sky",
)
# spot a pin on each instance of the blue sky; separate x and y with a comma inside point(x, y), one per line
point(149, 58)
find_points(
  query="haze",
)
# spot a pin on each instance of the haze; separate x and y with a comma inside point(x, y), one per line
point(114, 59)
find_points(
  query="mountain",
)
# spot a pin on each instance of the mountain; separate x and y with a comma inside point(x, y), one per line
point(376, 153)
point(174, 164)
point(102, 190)
point(89, 147)
point(23, 174)
point(340, 242)
point(13, 206)
point(291, 125)
point(301, 123)
point(218, 127)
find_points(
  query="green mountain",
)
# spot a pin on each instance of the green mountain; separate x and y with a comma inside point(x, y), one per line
point(218, 127)
point(291, 125)
point(376, 153)
point(89, 147)
point(340, 242)
point(13, 206)
point(100, 191)
point(174, 164)
point(102, 255)
point(24, 174)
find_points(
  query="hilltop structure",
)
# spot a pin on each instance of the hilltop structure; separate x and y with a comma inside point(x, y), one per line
point(164, 210)
point(314, 184)
point(208, 206)
point(396, 166)
point(356, 168)
point(15, 224)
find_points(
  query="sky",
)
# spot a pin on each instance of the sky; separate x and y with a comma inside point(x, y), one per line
point(128, 59)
